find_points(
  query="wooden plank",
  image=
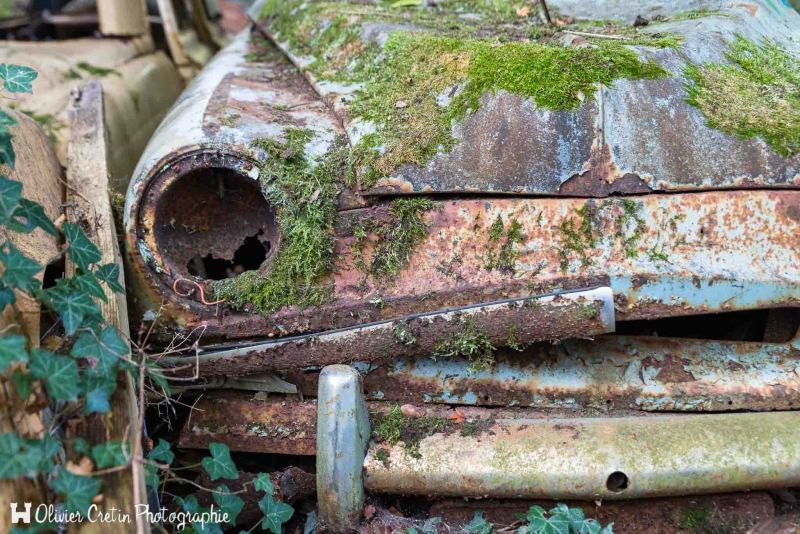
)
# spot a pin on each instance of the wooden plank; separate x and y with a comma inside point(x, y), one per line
point(89, 206)
point(38, 170)
point(123, 18)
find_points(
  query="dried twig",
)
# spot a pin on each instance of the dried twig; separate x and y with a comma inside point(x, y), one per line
point(599, 35)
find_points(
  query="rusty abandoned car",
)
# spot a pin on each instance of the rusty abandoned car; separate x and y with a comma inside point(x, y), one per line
point(568, 249)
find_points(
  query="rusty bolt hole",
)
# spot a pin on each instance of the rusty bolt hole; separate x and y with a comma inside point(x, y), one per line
point(214, 223)
point(617, 481)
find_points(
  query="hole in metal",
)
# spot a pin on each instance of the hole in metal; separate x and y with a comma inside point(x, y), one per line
point(214, 223)
point(617, 481)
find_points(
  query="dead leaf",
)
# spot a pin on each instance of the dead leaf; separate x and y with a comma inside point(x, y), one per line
point(84, 467)
point(409, 410)
point(314, 196)
point(457, 416)
point(400, 104)
point(523, 11)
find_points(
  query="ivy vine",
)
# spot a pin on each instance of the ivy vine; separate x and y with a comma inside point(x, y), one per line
point(79, 368)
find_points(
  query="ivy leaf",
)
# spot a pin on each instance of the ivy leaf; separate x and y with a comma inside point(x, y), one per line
point(33, 216)
point(105, 349)
point(7, 155)
point(573, 516)
point(77, 490)
point(220, 464)
point(88, 283)
point(19, 269)
point(190, 504)
point(26, 457)
point(478, 524)
point(17, 78)
point(541, 524)
point(7, 296)
point(23, 383)
point(72, 307)
point(59, 374)
point(110, 454)
point(10, 193)
point(80, 445)
point(6, 120)
point(12, 349)
point(276, 513)
point(262, 482)
point(228, 503)
point(161, 453)
point(97, 391)
point(81, 250)
point(109, 273)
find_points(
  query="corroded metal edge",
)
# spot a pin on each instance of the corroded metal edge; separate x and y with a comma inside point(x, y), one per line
point(609, 458)
point(342, 435)
point(609, 373)
point(525, 320)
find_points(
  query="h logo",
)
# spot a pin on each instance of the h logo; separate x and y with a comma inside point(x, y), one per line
point(17, 516)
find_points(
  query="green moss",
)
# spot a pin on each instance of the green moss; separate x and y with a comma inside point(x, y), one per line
point(402, 334)
point(694, 517)
point(757, 94)
point(577, 238)
point(394, 427)
point(304, 193)
point(502, 255)
point(398, 241)
point(229, 119)
point(631, 225)
point(470, 342)
point(426, 77)
point(396, 238)
point(382, 455)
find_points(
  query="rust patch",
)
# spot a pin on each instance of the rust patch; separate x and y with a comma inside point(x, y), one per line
point(249, 425)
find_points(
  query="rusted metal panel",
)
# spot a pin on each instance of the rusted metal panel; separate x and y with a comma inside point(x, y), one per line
point(599, 458)
point(609, 373)
point(662, 255)
point(248, 424)
point(547, 317)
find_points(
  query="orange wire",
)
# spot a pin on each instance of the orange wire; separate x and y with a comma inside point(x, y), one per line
point(198, 286)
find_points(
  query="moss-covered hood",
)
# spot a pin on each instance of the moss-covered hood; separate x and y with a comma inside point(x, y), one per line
point(622, 97)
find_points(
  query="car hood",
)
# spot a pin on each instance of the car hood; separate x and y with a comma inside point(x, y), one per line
point(631, 134)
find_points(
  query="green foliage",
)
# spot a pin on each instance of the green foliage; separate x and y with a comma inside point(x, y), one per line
point(59, 374)
point(756, 94)
point(78, 491)
point(303, 189)
point(12, 349)
point(17, 78)
point(470, 342)
point(478, 524)
point(276, 513)
point(228, 503)
point(110, 454)
point(559, 520)
point(220, 464)
point(81, 379)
